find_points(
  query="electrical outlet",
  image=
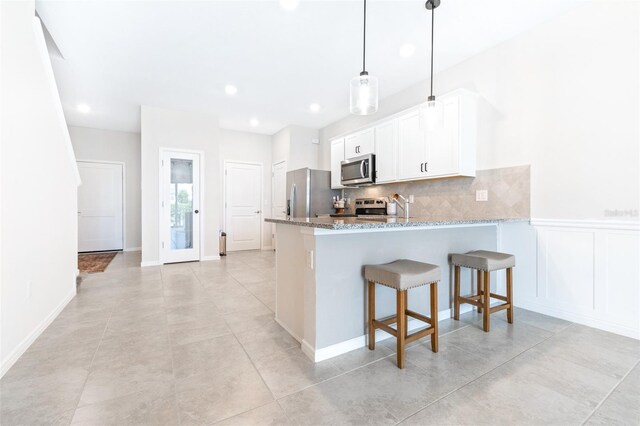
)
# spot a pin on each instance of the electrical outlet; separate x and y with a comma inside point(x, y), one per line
point(482, 195)
point(310, 259)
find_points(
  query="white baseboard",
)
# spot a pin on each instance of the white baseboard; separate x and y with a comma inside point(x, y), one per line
point(150, 263)
point(133, 249)
point(8, 362)
point(587, 320)
point(208, 258)
point(265, 248)
point(322, 354)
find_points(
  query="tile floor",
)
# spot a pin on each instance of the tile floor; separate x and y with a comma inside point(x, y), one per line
point(197, 344)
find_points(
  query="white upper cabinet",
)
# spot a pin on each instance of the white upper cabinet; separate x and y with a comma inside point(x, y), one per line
point(451, 149)
point(358, 144)
point(386, 144)
point(406, 150)
point(443, 149)
point(412, 147)
point(337, 155)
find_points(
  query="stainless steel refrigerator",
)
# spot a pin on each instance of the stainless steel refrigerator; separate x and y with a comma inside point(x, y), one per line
point(309, 193)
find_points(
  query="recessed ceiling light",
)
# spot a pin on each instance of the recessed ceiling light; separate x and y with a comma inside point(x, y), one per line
point(289, 4)
point(230, 89)
point(314, 107)
point(407, 50)
point(254, 122)
point(84, 108)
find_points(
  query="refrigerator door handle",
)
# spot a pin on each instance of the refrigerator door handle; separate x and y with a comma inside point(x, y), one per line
point(292, 200)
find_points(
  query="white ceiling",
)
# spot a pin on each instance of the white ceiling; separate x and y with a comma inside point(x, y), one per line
point(181, 54)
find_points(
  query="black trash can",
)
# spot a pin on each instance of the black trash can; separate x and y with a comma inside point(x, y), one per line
point(223, 244)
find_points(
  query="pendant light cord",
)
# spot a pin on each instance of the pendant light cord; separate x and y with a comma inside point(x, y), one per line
point(432, 25)
point(364, 38)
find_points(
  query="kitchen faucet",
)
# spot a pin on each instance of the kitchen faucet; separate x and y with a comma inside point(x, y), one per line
point(406, 201)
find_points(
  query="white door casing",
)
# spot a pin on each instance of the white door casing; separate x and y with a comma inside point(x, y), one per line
point(243, 206)
point(180, 205)
point(100, 206)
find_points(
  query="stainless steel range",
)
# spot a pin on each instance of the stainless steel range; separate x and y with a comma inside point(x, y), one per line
point(371, 207)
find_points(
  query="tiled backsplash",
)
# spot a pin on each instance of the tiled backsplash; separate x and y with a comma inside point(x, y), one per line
point(509, 191)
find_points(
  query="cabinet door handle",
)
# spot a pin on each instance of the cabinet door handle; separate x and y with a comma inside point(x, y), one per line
point(426, 167)
point(421, 167)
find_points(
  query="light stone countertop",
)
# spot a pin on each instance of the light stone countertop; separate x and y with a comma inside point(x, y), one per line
point(353, 223)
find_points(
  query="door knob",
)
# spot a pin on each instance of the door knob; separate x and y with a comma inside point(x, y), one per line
point(197, 211)
point(257, 211)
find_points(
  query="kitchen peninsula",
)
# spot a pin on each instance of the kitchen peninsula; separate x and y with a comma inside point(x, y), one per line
point(321, 290)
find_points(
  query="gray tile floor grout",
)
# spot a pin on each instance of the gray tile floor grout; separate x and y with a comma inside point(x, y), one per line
point(597, 407)
point(479, 377)
point(197, 343)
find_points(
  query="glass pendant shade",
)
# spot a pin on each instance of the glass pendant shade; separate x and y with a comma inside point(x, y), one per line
point(363, 95)
point(434, 114)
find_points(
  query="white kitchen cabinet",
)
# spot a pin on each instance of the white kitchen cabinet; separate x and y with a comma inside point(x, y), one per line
point(412, 147)
point(451, 149)
point(386, 148)
point(406, 150)
point(360, 143)
point(337, 156)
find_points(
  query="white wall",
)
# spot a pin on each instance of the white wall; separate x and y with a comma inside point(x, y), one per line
point(252, 148)
point(563, 98)
point(302, 151)
point(38, 187)
point(294, 144)
point(108, 145)
point(164, 128)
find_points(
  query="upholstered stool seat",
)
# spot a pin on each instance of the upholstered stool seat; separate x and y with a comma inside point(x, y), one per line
point(484, 261)
point(402, 275)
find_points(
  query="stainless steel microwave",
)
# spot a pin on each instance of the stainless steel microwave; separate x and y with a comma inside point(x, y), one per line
point(359, 170)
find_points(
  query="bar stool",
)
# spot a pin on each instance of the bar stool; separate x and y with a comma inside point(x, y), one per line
point(484, 262)
point(402, 275)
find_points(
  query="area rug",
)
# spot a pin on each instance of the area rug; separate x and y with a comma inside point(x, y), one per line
point(95, 262)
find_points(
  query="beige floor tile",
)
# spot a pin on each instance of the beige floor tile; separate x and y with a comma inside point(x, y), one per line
point(128, 376)
point(228, 392)
point(290, 370)
point(265, 341)
point(41, 400)
point(250, 319)
point(190, 332)
point(194, 363)
point(267, 415)
point(197, 343)
point(205, 312)
point(622, 407)
point(152, 407)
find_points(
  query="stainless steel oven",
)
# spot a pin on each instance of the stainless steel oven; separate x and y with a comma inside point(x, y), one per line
point(359, 170)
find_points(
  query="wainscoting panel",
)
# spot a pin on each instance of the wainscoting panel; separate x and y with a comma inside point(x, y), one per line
point(566, 267)
point(582, 271)
point(622, 285)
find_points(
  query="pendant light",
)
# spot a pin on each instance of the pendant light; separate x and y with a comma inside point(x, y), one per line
point(434, 111)
point(363, 91)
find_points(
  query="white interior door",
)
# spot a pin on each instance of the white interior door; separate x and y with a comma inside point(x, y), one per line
point(180, 207)
point(279, 190)
point(100, 207)
point(243, 211)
